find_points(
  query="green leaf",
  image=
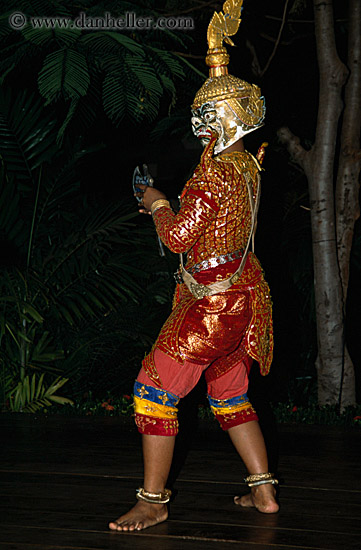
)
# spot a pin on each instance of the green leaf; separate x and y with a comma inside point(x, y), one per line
point(30, 396)
point(61, 400)
point(40, 387)
point(72, 109)
point(5, 28)
point(115, 99)
point(171, 61)
point(182, 59)
point(28, 308)
point(56, 385)
point(65, 72)
point(45, 36)
point(26, 134)
point(144, 73)
point(109, 42)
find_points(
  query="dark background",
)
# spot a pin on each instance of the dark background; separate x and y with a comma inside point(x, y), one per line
point(283, 242)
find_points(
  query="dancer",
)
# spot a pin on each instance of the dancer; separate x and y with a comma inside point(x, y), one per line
point(222, 318)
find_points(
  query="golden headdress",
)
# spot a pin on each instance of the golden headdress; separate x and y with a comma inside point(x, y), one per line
point(244, 99)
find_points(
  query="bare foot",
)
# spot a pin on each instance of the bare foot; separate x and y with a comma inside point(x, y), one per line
point(141, 516)
point(261, 497)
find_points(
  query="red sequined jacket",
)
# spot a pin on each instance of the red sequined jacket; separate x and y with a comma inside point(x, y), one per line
point(215, 219)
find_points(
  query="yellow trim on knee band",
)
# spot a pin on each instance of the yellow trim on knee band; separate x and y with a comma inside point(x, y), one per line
point(149, 408)
point(229, 410)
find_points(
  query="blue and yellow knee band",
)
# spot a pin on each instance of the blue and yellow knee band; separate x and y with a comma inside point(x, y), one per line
point(232, 412)
point(155, 410)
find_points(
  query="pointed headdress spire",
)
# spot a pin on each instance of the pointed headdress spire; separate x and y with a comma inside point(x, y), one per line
point(221, 27)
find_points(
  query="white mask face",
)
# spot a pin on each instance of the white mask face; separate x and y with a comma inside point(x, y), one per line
point(220, 118)
point(204, 121)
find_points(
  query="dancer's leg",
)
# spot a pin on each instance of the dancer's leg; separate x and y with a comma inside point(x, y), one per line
point(157, 449)
point(230, 404)
point(157, 456)
point(249, 443)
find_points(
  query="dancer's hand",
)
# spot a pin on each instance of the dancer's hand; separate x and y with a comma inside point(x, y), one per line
point(148, 195)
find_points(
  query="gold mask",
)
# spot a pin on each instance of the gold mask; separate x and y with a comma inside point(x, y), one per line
point(228, 105)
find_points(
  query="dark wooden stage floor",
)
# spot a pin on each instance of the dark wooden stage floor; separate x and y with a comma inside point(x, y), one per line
point(63, 478)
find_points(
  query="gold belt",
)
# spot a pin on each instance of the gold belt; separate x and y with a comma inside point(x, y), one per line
point(210, 264)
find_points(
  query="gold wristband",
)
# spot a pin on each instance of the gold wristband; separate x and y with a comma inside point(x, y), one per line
point(159, 204)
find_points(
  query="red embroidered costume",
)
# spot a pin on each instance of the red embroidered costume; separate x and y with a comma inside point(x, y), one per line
point(222, 315)
point(219, 334)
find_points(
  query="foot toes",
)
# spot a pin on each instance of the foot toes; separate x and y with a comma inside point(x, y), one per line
point(125, 527)
point(117, 526)
point(245, 501)
point(141, 516)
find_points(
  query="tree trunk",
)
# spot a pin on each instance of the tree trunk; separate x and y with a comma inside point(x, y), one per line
point(347, 185)
point(328, 288)
point(318, 164)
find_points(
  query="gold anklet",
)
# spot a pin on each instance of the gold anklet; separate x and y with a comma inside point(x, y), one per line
point(254, 480)
point(256, 483)
point(154, 498)
point(258, 477)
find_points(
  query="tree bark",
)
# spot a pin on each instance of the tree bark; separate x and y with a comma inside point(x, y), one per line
point(347, 184)
point(347, 187)
point(318, 164)
point(328, 288)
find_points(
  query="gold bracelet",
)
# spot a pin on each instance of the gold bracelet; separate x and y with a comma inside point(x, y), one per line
point(258, 477)
point(272, 481)
point(254, 480)
point(154, 498)
point(159, 204)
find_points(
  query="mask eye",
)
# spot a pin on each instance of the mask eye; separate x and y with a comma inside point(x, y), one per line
point(208, 116)
point(196, 122)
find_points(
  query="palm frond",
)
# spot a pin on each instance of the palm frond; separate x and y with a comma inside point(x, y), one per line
point(46, 36)
point(83, 110)
point(26, 134)
point(166, 62)
point(107, 42)
point(176, 124)
point(116, 101)
point(15, 56)
point(65, 72)
point(44, 351)
point(192, 69)
point(137, 95)
point(70, 115)
point(144, 73)
point(5, 28)
point(11, 224)
point(42, 8)
point(83, 274)
point(33, 394)
point(178, 38)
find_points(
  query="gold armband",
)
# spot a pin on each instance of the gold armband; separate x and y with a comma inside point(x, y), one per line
point(159, 204)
